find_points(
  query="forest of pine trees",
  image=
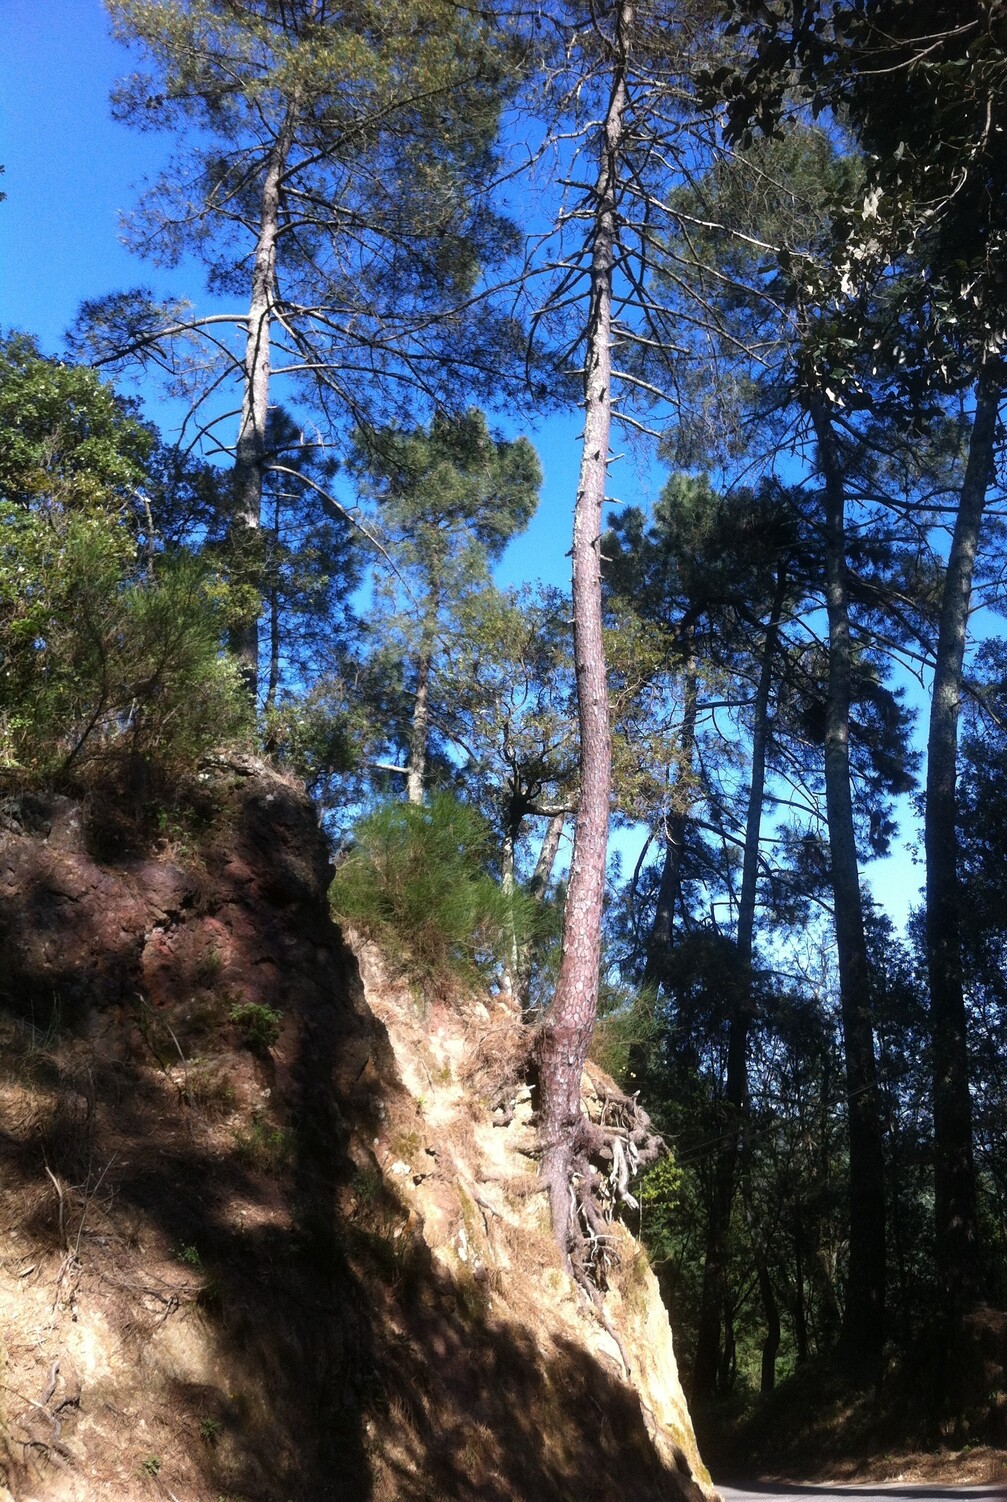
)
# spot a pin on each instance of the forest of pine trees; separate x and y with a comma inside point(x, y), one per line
point(756, 250)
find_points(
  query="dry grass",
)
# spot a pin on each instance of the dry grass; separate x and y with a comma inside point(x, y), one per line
point(496, 1061)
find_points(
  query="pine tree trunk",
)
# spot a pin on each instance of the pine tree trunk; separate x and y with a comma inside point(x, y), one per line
point(419, 725)
point(249, 455)
point(714, 1288)
point(662, 930)
point(273, 681)
point(757, 790)
point(955, 1216)
point(537, 888)
point(863, 1323)
point(419, 731)
point(569, 1021)
point(800, 1310)
point(771, 1344)
point(548, 851)
point(508, 885)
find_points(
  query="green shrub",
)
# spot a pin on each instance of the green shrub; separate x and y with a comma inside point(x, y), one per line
point(98, 669)
point(265, 1148)
point(209, 1430)
point(109, 658)
point(260, 1025)
point(417, 881)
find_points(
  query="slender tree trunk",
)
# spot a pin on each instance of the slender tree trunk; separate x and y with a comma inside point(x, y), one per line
point(771, 1344)
point(569, 1022)
point(955, 1217)
point(273, 681)
point(548, 851)
point(800, 1310)
point(508, 885)
point(729, 1367)
point(863, 1324)
point(757, 790)
point(537, 888)
point(249, 454)
point(662, 931)
point(735, 1106)
point(419, 725)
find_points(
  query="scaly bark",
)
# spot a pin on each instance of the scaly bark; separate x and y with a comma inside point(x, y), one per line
point(863, 1323)
point(955, 1216)
point(273, 679)
point(569, 1021)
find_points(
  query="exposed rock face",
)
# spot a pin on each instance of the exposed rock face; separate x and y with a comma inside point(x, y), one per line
point(277, 1257)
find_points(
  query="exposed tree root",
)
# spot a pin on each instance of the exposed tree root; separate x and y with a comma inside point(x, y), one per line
point(614, 1143)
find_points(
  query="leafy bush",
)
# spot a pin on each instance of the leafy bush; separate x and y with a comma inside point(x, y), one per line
point(105, 656)
point(99, 668)
point(660, 1192)
point(265, 1148)
point(260, 1025)
point(417, 881)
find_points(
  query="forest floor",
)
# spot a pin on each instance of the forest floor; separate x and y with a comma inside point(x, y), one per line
point(973, 1465)
point(978, 1465)
point(815, 1429)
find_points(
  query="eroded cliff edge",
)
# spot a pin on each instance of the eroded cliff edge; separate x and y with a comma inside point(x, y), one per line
point(264, 1235)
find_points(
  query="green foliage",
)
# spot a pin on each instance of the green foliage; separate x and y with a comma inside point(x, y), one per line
point(260, 1025)
point(451, 495)
point(659, 1193)
point(416, 880)
point(98, 667)
point(209, 1430)
point(309, 564)
point(262, 1147)
point(448, 499)
point(386, 116)
point(319, 735)
point(66, 442)
point(626, 1024)
point(101, 656)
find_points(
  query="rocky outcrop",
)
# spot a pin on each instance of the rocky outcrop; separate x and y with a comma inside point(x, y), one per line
point(273, 1224)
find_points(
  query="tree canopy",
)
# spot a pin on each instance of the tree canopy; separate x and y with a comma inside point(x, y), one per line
point(757, 258)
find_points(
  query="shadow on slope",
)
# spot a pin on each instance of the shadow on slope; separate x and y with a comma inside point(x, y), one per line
point(209, 1287)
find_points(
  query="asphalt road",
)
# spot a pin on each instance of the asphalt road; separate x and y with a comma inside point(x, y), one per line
point(787, 1493)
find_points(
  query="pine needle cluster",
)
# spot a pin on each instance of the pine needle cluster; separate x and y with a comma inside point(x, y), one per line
point(418, 881)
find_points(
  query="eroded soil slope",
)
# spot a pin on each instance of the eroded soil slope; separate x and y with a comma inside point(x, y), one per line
point(262, 1235)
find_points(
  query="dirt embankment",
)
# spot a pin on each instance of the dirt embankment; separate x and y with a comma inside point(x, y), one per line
point(261, 1235)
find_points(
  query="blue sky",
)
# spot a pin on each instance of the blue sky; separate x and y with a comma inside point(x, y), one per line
point(68, 166)
point(71, 171)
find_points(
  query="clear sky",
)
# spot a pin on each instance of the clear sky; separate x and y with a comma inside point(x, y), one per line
point(69, 168)
point(70, 172)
